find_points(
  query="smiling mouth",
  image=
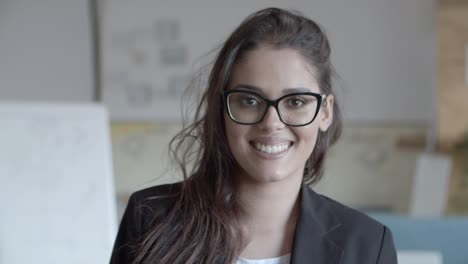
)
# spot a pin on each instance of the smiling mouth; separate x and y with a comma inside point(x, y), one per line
point(271, 149)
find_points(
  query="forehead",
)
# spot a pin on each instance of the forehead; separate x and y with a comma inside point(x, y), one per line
point(274, 71)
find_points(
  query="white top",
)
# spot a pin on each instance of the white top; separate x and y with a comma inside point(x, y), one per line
point(279, 260)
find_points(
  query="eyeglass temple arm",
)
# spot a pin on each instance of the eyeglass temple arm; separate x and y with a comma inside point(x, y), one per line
point(324, 99)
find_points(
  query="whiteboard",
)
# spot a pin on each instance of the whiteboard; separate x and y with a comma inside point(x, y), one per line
point(57, 188)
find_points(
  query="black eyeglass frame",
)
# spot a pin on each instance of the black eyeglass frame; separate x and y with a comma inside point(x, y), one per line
point(274, 103)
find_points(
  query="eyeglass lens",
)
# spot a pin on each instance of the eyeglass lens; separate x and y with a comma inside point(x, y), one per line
point(293, 110)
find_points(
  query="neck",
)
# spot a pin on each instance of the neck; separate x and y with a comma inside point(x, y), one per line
point(269, 206)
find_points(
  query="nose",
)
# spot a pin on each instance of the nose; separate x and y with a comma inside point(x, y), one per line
point(271, 121)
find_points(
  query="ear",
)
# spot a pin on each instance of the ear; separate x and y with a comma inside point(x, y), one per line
point(326, 112)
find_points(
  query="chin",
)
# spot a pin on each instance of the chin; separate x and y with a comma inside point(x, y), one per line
point(265, 176)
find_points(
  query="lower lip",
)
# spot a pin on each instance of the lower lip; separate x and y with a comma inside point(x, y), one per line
point(277, 155)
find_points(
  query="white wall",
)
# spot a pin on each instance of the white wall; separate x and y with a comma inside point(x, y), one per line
point(45, 50)
point(384, 50)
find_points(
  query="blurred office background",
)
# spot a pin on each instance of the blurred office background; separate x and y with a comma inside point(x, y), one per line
point(403, 68)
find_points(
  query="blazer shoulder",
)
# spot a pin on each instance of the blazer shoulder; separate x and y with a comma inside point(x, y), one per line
point(154, 201)
point(165, 191)
point(352, 217)
point(360, 233)
point(144, 209)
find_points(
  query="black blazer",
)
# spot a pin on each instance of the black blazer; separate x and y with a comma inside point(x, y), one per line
point(327, 232)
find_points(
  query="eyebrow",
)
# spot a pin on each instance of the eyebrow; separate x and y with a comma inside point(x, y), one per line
point(284, 91)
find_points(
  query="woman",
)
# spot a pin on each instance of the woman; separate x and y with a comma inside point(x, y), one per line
point(261, 132)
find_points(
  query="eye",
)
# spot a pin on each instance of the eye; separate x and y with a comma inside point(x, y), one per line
point(296, 102)
point(249, 100)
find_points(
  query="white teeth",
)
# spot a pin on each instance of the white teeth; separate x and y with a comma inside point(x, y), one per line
point(271, 149)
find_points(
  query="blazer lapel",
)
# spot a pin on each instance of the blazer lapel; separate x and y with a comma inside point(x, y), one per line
point(312, 245)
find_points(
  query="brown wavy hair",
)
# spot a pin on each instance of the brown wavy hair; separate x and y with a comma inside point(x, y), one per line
point(201, 226)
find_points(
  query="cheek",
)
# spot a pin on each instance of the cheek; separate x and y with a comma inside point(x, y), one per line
point(234, 132)
point(308, 137)
point(228, 127)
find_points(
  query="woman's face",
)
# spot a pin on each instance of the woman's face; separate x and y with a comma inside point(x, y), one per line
point(274, 73)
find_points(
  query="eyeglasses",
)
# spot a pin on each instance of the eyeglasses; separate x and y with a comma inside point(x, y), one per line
point(294, 109)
